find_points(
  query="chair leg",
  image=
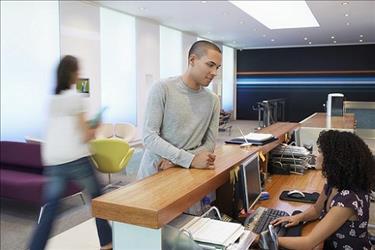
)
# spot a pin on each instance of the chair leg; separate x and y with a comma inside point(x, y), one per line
point(82, 198)
point(41, 212)
point(109, 179)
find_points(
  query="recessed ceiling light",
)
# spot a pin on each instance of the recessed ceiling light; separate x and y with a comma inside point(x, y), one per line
point(360, 35)
point(332, 37)
point(334, 41)
point(346, 14)
point(203, 1)
point(225, 13)
point(347, 24)
point(360, 40)
point(345, 3)
point(310, 42)
point(305, 38)
point(142, 8)
point(264, 35)
point(241, 22)
point(272, 40)
point(277, 14)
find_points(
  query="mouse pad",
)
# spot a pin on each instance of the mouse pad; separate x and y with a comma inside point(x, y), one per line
point(309, 197)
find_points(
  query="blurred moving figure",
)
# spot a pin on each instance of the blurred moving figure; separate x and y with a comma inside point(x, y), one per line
point(66, 153)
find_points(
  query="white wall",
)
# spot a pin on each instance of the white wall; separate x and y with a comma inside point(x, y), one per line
point(147, 64)
point(80, 37)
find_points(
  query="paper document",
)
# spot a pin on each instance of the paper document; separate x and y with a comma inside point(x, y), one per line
point(258, 137)
point(214, 231)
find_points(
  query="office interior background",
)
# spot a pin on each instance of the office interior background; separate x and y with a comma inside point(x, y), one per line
point(126, 46)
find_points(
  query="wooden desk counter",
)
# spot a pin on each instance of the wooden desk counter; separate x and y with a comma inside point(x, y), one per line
point(156, 200)
point(320, 120)
point(311, 181)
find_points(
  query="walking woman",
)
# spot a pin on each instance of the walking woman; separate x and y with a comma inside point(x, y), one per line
point(66, 154)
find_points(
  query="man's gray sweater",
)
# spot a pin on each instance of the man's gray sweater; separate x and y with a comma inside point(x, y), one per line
point(179, 122)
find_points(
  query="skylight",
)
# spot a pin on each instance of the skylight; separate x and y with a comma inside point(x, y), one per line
point(279, 14)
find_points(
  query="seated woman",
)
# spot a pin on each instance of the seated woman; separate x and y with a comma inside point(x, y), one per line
point(343, 205)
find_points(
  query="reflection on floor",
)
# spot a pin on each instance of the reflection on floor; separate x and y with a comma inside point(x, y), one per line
point(82, 236)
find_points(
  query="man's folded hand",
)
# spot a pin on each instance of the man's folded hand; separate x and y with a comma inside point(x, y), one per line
point(204, 159)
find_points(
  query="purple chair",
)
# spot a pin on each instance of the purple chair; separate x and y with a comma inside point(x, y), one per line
point(21, 174)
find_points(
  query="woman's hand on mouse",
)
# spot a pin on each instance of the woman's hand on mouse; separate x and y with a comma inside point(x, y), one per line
point(289, 220)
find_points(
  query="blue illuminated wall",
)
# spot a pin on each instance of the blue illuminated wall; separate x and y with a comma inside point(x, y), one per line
point(304, 76)
point(304, 95)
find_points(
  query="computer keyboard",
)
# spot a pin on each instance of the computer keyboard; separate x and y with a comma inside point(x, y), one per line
point(261, 218)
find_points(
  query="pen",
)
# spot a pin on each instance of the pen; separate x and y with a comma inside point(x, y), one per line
point(243, 135)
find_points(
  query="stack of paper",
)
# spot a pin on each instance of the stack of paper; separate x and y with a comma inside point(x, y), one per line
point(214, 231)
point(258, 137)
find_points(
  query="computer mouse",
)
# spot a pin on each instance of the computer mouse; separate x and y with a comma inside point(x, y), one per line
point(296, 194)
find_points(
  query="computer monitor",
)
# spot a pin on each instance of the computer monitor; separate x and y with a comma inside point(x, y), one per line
point(250, 184)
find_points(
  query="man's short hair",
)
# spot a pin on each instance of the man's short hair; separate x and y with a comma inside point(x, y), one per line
point(200, 48)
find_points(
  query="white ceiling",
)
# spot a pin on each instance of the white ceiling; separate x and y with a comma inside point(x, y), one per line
point(223, 22)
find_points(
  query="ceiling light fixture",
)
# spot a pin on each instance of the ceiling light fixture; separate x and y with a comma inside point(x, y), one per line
point(334, 41)
point(332, 37)
point(241, 22)
point(345, 3)
point(346, 14)
point(142, 8)
point(310, 42)
point(279, 14)
point(272, 40)
point(347, 24)
point(360, 40)
point(360, 35)
point(305, 38)
point(203, 1)
point(264, 35)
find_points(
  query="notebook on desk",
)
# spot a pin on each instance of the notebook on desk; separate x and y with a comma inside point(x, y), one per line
point(253, 138)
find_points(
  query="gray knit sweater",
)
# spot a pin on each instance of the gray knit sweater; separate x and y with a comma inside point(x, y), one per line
point(179, 122)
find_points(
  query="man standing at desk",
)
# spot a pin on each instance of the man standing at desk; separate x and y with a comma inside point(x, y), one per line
point(182, 116)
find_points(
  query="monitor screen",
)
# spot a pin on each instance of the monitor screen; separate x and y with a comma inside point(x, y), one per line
point(250, 181)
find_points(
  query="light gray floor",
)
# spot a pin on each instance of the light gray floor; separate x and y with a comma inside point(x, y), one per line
point(18, 220)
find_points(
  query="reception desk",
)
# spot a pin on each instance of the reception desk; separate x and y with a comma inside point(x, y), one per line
point(141, 209)
point(317, 122)
point(322, 121)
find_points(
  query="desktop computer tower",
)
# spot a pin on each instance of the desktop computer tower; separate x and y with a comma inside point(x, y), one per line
point(335, 104)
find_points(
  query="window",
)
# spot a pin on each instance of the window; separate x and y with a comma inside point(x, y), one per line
point(30, 51)
point(228, 78)
point(170, 52)
point(118, 72)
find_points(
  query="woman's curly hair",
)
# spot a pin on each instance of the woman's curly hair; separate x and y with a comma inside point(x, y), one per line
point(347, 161)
